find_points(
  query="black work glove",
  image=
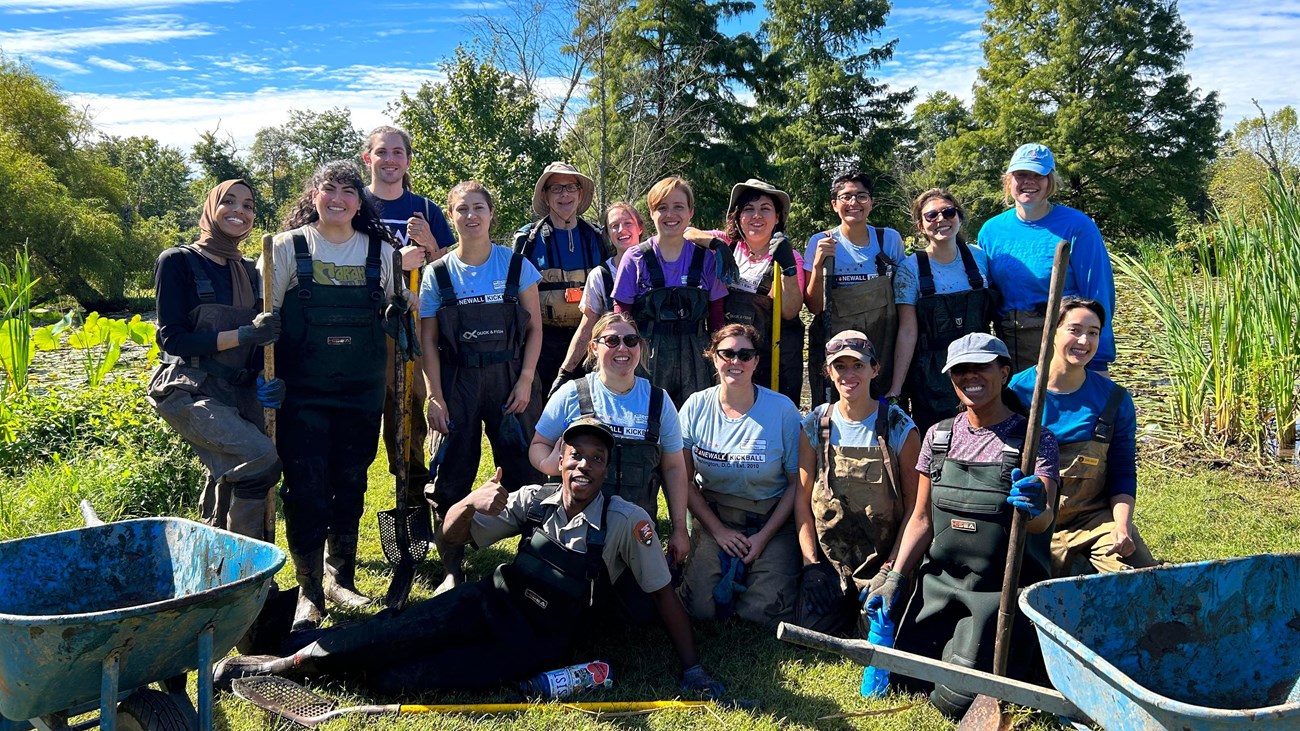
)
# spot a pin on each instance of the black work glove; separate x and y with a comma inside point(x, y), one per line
point(561, 378)
point(264, 330)
point(783, 254)
point(696, 679)
point(728, 270)
point(820, 587)
point(399, 324)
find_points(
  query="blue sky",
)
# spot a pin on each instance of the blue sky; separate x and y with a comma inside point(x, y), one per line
point(174, 68)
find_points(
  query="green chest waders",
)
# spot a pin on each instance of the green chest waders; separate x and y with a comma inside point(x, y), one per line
point(941, 319)
point(953, 615)
point(634, 473)
point(331, 352)
point(755, 309)
point(867, 306)
point(674, 320)
point(1022, 331)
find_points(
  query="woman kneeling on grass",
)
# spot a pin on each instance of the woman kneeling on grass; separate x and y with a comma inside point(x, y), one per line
point(1096, 423)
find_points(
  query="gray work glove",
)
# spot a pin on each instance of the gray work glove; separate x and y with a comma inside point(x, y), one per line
point(264, 330)
point(888, 590)
point(696, 679)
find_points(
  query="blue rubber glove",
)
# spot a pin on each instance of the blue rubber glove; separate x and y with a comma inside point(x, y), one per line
point(270, 394)
point(1027, 493)
point(696, 680)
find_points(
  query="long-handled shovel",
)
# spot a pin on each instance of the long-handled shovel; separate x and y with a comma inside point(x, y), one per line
point(268, 371)
point(777, 275)
point(987, 713)
point(395, 526)
point(306, 708)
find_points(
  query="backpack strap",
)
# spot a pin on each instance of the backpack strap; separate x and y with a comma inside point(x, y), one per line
point(924, 274)
point(302, 266)
point(442, 278)
point(939, 446)
point(696, 273)
point(653, 268)
point(202, 282)
point(1104, 430)
point(973, 276)
point(607, 280)
point(512, 279)
point(656, 413)
point(375, 270)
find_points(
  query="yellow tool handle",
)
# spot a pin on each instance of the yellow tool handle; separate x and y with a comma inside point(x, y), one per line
point(599, 707)
point(414, 285)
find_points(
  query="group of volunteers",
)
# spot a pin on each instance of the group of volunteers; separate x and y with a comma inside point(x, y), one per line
point(604, 366)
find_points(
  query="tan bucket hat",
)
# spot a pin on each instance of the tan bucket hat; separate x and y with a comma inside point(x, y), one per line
point(540, 207)
point(781, 197)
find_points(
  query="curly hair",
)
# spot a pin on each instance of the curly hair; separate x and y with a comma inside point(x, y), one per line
point(341, 172)
point(732, 226)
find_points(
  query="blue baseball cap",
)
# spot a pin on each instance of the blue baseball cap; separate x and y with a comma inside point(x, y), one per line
point(1033, 157)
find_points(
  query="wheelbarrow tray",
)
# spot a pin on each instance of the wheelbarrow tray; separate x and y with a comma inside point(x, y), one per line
point(142, 588)
point(1194, 647)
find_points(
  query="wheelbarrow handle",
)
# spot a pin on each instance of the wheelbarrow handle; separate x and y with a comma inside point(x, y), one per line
point(89, 515)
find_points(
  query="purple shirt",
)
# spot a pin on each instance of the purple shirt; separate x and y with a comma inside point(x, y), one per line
point(633, 280)
point(985, 445)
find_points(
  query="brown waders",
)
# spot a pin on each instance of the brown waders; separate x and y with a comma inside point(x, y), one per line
point(1084, 519)
point(941, 319)
point(755, 309)
point(857, 508)
point(1022, 331)
point(675, 323)
point(867, 306)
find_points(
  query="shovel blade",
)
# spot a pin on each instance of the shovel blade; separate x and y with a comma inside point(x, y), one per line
point(985, 714)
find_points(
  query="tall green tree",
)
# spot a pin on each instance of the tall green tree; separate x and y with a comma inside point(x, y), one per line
point(284, 156)
point(479, 125)
point(157, 175)
point(1101, 83)
point(828, 113)
point(1257, 150)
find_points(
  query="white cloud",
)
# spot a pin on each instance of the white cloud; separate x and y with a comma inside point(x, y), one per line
point(25, 7)
point(1246, 51)
point(149, 64)
point(139, 30)
point(58, 63)
point(110, 64)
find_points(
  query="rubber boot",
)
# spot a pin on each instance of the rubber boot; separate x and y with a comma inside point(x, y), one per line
point(247, 517)
point(452, 558)
point(310, 569)
point(341, 571)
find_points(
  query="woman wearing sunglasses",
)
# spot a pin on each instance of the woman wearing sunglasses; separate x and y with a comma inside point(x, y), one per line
point(942, 293)
point(969, 486)
point(854, 492)
point(743, 453)
point(647, 434)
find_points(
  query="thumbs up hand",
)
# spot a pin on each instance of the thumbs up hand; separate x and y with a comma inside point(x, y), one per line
point(490, 499)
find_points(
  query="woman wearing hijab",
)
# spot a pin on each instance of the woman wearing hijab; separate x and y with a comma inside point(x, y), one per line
point(210, 327)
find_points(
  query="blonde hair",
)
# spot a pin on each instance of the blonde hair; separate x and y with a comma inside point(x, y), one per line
point(607, 319)
point(661, 190)
point(1008, 200)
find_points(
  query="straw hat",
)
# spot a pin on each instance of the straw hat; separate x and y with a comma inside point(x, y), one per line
point(540, 206)
point(781, 198)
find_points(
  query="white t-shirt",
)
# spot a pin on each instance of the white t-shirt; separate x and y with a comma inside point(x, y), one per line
point(332, 265)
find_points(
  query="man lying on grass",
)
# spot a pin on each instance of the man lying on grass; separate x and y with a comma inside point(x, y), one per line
point(525, 617)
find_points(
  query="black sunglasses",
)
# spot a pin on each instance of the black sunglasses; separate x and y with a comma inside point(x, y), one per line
point(948, 214)
point(612, 341)
point(744, 355)
point(836, 346)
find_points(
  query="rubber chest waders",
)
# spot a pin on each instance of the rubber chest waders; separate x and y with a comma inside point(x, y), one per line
point(755, 309)
point(940, 320)
point(560, 290)
point(634, 473)
point(1022, 331)
point(867, 306)
point(674, 320)
point(332, 348)
point(960, 581)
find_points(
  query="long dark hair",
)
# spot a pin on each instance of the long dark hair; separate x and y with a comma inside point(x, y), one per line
point(342, 172)
point(746, 197)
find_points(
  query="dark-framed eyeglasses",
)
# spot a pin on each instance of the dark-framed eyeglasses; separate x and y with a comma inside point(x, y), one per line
point(744, 355)
point(861, 344)
point(948, 214)
point(611, 341)
point(564, 188)
point(862, 197)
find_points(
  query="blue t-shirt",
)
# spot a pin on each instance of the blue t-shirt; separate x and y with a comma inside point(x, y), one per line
point(394, 214)
point(846, 433)
point(749, 457)
point(624, 414)
point(474, 284)
point(577, 249)
point(948, 278)
point(1073, 416)
point(1020, 264)
point(856, 264)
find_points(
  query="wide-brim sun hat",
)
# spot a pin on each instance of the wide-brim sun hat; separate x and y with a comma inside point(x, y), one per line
point(1033, 157)
point(978, 348)
point(866, 353)
point(541, 208)
point(781, 197)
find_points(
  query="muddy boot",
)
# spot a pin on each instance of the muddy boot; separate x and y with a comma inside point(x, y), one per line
point(452, 557)
point(341, 570)
point(247, 517)
point(310, 568)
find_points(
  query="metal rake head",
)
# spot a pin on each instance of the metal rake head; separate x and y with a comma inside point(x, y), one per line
point(418, 528)
point(284, 697)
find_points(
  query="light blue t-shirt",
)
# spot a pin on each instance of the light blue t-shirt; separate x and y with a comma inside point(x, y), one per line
point(856, 264)
point(474, 284)
point(846, 433)
point(948, 278)
point(625, 414)
point(749, 457)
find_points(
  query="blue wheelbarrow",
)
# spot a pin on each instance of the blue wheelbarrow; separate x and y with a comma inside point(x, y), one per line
point(89, 618)
point(1208, 646)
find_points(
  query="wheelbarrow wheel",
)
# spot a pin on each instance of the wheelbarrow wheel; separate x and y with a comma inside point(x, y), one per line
point(153, 710)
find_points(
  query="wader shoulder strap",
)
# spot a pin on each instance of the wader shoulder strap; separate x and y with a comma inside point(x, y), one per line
point(202, 282)
point(973, 277)
point(696, 274)
point(824, 425)
point(302, 266)
point(1015, 444)
point(526, 240)
point(653, 268)
point(656, 411)
point(596, 548)
point(924, 275)
point(884, 265)
point(512, 279)
point(375, 271)
point(586, 409)
point(939, 446)
point(1104, 431)
point(442, 278)
point(886, 454)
